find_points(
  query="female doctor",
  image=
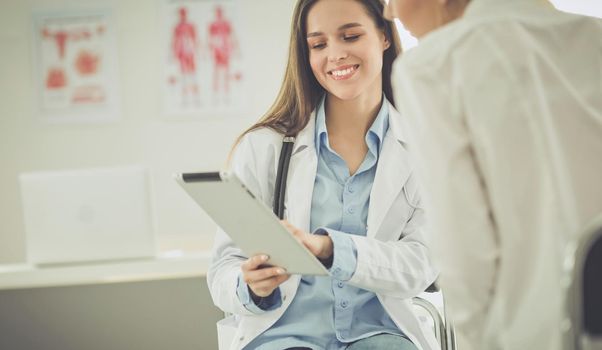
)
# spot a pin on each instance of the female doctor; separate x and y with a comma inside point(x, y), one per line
point(349, 183)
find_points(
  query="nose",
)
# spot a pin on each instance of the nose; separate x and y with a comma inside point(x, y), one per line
point(337, 53)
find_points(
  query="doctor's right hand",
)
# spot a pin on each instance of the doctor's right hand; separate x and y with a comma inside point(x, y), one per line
point(262, 280)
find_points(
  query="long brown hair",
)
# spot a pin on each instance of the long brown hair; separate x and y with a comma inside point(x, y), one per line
point(300, 91)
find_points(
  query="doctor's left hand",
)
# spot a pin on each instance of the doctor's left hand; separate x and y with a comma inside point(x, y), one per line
point(319, 245)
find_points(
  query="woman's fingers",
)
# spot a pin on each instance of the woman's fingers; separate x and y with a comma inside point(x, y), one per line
point(259, 275)
point(299, 234)
point(265, 287)
point(254, 262)
point(294, 230)
point(262, 280)
point(310, 241)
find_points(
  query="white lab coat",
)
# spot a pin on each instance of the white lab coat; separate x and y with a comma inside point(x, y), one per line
point(505, 105)
point(392, 260)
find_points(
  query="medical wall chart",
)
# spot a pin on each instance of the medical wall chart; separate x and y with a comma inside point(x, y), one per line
point(75, 66)
point(201, 48)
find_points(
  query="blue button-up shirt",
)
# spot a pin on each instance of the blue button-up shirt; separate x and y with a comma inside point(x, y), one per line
point(328, 313)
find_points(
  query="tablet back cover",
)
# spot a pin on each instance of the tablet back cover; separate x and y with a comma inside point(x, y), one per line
point(251, 224)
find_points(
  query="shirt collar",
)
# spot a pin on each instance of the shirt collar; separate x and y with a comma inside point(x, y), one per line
point(321, 124)
point(381, 123)
point(378, 128)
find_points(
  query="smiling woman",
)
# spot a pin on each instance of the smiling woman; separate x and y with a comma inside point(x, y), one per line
point(336, 99)
point(300, 91)
point(350, 52)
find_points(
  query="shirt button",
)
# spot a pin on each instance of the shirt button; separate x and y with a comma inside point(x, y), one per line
point(350, 189)
point(340, 284)
point(351, 210)
point(337, 270)
point(344, 304)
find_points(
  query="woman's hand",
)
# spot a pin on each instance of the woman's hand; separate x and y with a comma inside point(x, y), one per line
point(262, 280)
point(319, 245)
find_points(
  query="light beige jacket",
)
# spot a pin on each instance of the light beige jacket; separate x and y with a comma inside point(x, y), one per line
point(505, 106)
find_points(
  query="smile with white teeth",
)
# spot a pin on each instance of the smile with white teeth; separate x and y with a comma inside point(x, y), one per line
point(343, 73)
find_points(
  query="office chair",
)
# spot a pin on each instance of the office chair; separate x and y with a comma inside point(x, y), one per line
point(442, 326)
point(583, 267)
point(437, 319)
point(444, 331)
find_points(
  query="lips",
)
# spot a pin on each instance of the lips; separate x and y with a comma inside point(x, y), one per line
point(343, 72)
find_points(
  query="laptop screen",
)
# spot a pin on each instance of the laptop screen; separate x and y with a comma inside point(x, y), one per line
point(87, 215)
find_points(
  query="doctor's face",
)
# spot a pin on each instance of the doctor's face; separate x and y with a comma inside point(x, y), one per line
point(345, 48)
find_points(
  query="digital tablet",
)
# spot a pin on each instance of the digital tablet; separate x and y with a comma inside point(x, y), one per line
point(250, 223)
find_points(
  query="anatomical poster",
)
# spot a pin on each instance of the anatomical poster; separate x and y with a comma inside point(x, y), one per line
point(75, 60)
point(203, 58)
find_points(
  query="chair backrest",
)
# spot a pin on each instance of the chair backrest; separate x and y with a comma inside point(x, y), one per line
point(592, 288)
point(584, 297)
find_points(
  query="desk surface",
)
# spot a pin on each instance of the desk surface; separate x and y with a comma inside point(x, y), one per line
point(20, 276)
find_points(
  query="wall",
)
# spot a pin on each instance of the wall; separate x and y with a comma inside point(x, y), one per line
point(143, 135)
point(591, 8)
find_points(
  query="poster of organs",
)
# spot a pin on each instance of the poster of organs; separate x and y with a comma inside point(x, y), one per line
point(75, 66)
point(203, 58)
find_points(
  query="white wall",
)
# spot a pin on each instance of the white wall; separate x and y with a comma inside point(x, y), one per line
point(143, 135)
point(591, 8)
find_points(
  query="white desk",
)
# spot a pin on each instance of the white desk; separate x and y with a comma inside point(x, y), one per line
point(154, 304)
point(19, 276)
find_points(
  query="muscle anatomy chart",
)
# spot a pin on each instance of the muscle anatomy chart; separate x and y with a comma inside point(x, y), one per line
point(203, 70)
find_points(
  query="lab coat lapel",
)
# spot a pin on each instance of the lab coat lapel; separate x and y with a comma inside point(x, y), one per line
point(392, 172)
point(302, 174)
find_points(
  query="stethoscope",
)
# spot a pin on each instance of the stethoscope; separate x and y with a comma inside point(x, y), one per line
point(280, 188)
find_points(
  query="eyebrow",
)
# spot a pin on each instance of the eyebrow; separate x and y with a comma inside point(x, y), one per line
point(343, 27)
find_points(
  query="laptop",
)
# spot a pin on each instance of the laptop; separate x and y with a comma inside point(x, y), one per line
point(87, 216)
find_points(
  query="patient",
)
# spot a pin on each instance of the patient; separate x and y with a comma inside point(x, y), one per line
point(505, 103)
